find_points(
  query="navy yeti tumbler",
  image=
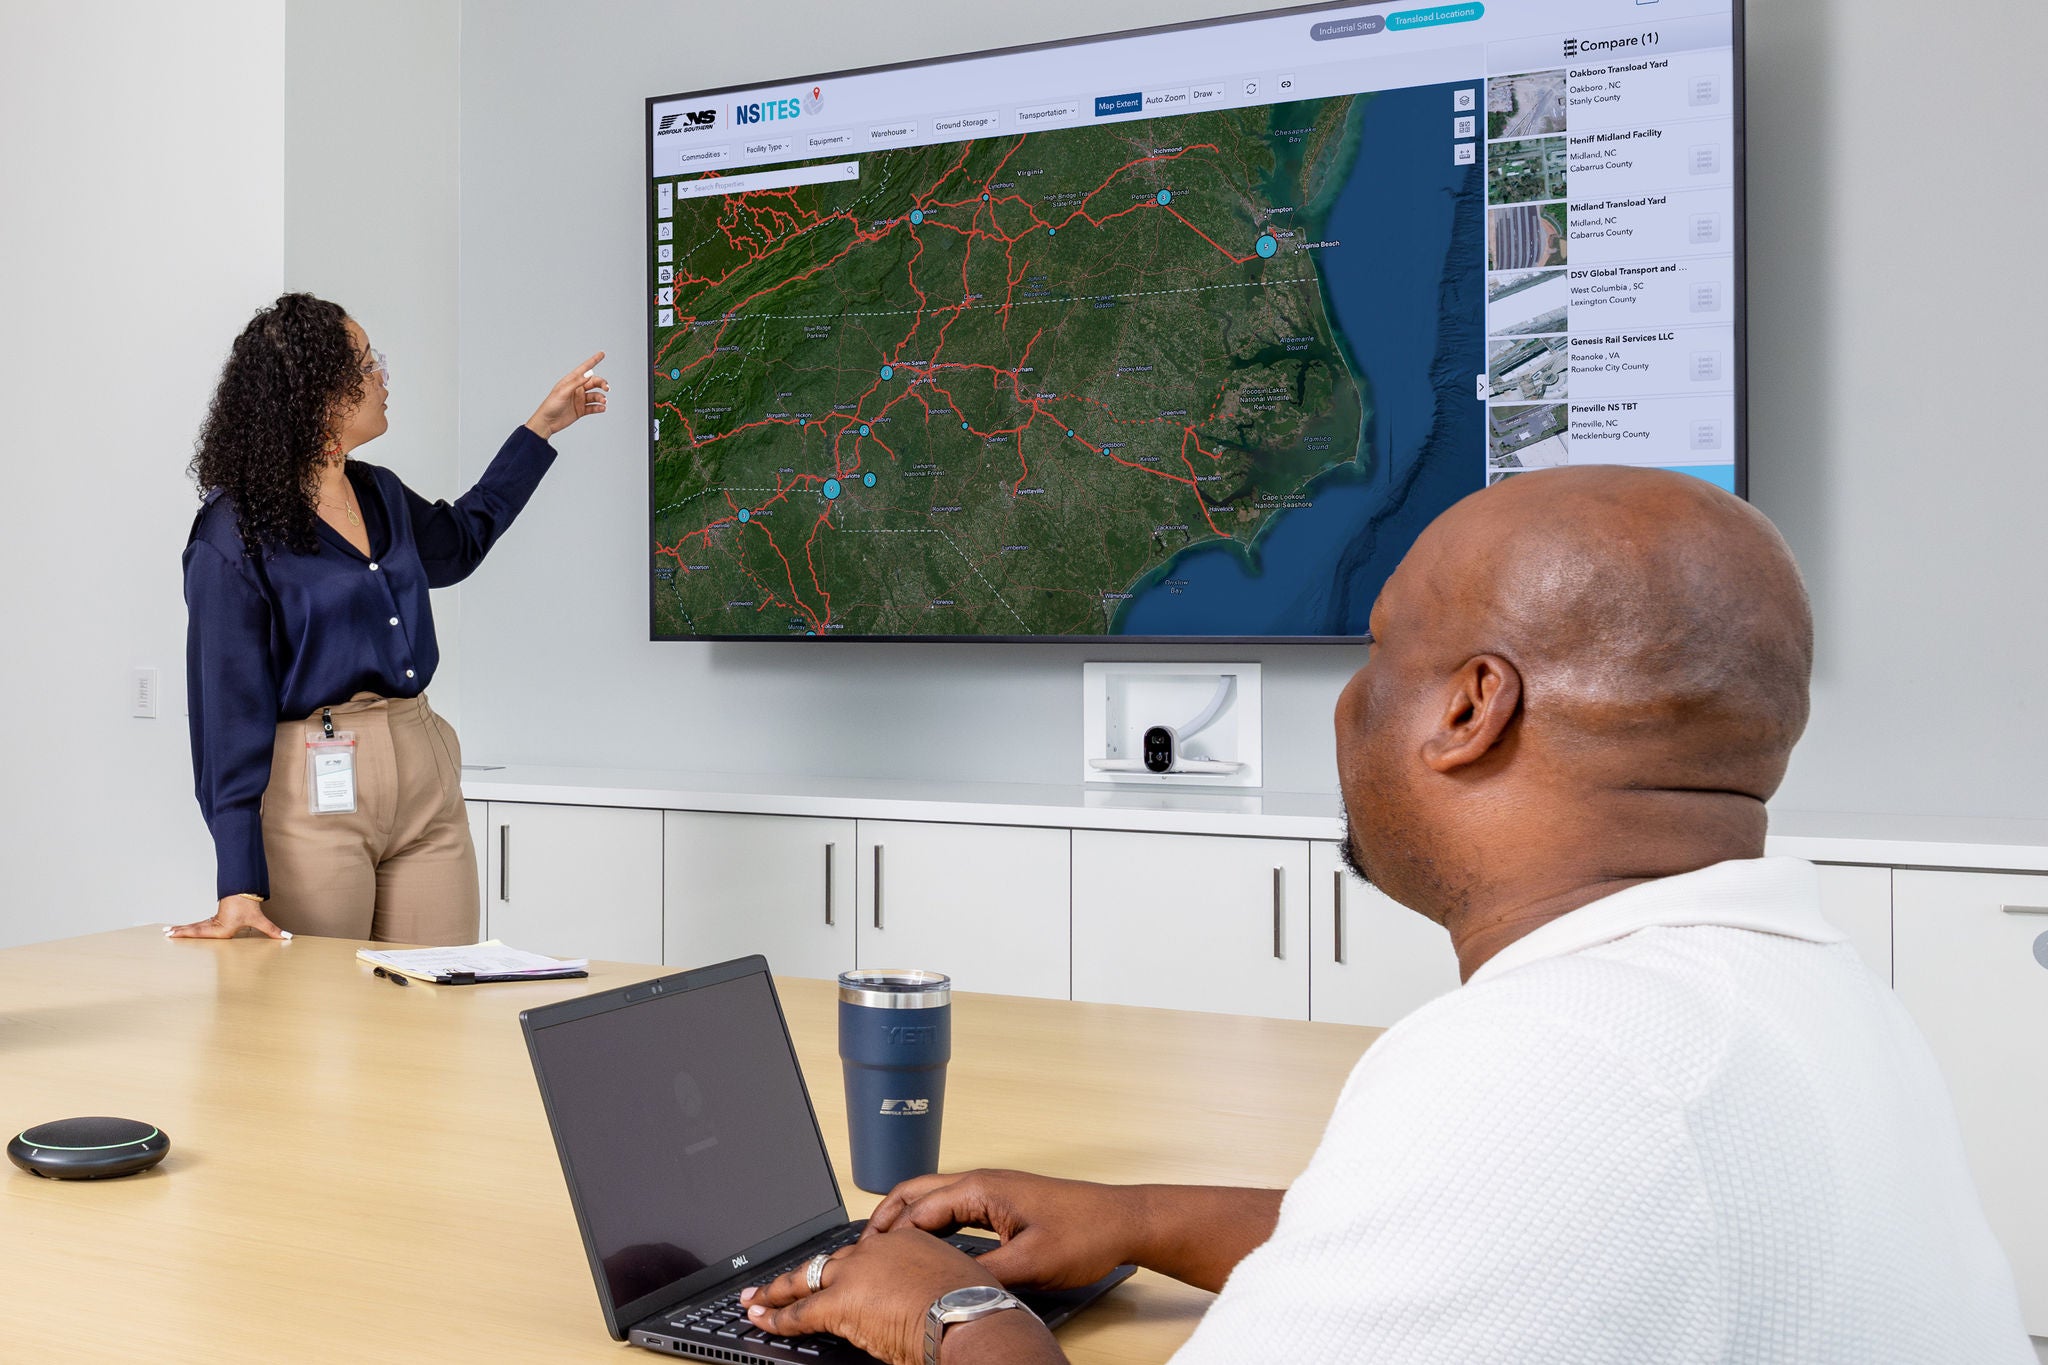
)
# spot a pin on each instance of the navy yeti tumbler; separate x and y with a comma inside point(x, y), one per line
point(895, 1038)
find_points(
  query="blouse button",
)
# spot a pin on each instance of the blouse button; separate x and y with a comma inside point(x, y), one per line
point(408, 673)
point(373, 568)
point(394, 620)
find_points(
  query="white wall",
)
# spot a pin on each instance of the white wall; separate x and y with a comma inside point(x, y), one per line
point(1897, 288)
point(371, 215)
point(1897, 293)
point(141, 163)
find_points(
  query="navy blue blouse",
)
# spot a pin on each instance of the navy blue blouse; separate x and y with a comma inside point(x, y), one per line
point(275, 636)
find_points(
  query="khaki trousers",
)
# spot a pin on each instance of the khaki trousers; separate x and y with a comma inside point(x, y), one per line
point(400, 868)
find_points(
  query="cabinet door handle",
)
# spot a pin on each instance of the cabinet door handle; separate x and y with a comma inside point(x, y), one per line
point(878, 886)
point(828, 883)
point(1277, 875)
point(504, 862)
point(2025, 909)
point(1337, 915)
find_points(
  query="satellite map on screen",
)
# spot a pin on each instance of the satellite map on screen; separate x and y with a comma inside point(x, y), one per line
point(1160, 377)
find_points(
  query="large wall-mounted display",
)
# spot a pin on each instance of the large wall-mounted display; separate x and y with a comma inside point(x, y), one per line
point(1178, 333)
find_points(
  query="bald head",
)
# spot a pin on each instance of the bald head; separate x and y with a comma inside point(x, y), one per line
point(1615, 654)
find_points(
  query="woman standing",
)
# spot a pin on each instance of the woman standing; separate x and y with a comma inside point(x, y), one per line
point(332, 791)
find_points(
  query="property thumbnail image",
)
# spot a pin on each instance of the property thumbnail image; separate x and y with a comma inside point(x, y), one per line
point(1527, 437)
point(1525, 369)
point(1523, 236)
point(1525, 106)
point(1526, 301)
point(1520, 172)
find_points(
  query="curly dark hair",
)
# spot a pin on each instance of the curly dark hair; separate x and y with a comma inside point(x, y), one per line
point(292, 367)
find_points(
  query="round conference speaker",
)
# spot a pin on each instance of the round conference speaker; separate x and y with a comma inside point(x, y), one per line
point(88, 1149)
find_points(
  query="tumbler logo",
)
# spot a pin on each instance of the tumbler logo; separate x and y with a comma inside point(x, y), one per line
point(906, 1106)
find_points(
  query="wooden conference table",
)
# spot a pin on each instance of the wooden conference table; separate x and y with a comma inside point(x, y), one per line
point(362, 1172)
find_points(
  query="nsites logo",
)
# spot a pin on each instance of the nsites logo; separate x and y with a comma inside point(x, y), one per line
point(779, 111)
point(690, 121)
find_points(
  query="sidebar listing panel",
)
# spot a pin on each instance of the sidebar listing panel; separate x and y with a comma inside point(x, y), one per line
point(1610, 226)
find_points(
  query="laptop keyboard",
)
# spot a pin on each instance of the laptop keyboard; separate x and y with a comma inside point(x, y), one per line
point(723, 1321)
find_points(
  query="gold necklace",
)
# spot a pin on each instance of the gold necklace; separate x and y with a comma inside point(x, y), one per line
point(348, 507)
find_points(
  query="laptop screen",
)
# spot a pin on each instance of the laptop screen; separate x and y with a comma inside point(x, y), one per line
point(684, 1120)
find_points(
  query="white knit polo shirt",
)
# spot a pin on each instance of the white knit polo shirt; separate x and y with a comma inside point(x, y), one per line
point(1681, 1124)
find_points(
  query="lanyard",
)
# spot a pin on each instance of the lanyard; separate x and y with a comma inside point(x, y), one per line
point(327, 722)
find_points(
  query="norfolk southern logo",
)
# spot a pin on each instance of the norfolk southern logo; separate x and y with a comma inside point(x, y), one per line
point(693, 121)
point(906, 1106)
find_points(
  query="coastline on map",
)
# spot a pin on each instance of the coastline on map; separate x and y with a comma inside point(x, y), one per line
point(1420, 287)
point(1314, 214)
point(1322, 210)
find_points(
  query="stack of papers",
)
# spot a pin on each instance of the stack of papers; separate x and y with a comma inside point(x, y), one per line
point(487, 961)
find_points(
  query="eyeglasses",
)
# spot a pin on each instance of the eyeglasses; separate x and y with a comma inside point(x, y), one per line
point(376, 366)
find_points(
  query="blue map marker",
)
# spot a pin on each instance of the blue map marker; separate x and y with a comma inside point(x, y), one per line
point(868, 479)
point(888, 371)
point(963, 426)
point(1070, 431)
point(745, 516)
point(863, 428)
point(916, 217)
point(1165, 197)
point(1266, 245)
point(675, 374)
point(1050, 231)
point(984, 198)
point(803, 421)
point(831, 488)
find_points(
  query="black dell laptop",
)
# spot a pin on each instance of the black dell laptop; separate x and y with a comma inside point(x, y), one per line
point(694, 1161)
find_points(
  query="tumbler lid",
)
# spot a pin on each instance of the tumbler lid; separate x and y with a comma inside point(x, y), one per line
point(895, 988)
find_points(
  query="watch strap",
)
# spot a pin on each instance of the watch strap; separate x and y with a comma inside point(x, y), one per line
point(938, 1318)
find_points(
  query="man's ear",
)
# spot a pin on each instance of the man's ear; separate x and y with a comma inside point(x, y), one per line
point(1483, 698)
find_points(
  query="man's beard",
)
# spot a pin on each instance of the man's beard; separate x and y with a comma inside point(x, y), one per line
point(1348, 850)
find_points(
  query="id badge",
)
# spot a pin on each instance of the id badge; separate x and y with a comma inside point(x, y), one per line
point(331, 772)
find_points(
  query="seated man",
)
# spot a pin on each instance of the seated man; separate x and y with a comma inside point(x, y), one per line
point(1669, 1117)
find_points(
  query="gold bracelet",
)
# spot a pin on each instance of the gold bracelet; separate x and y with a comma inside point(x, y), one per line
point(251, 895)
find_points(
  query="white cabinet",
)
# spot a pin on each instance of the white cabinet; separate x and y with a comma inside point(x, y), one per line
point(575, 881)
point(1971, 963)
point(1372, 959)
point(986, 904)
point(1188, 922)
point(778, 885)
point(1858, 901)
point(479, 813)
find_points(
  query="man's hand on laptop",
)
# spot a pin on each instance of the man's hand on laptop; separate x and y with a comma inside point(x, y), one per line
point(1062, 1234)
point(875, 1294)
point(1057, 1234)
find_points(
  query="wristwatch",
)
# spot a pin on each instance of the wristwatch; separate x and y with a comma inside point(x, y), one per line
point(963, 1305)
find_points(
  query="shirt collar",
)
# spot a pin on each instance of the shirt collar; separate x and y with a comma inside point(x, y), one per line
point(1768, 895)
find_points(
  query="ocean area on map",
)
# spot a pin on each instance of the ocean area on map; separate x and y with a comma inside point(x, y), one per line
point(1405, 288)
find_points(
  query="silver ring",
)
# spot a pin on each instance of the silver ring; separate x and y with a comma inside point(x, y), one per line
point(814, 1271)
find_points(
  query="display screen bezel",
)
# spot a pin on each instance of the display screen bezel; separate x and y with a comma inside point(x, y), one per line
point(1740, 321)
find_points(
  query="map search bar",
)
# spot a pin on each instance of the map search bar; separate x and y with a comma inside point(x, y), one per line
point(768, 180)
